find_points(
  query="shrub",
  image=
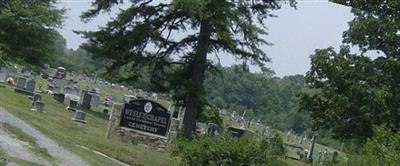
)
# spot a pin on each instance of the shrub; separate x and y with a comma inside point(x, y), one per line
point(228, 150)
point(382, 149)
point(210, 115)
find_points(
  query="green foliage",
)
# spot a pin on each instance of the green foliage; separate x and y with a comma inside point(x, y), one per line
point(348, 96)
point(175, 39)
point(124, 39)
point(272, 100)
point(355, 92)
point(227, 150)
point(210, 115)
point(382, 149)
point(28, 30)
point(79, 61)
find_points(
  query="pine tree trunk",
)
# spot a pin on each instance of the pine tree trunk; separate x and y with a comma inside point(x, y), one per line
point(198, 67)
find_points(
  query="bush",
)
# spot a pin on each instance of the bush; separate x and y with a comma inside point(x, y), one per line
point(210, 115)
point(382, 149)
point(228, 150)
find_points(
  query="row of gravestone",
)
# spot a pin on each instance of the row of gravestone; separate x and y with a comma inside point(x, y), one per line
point(25, 86)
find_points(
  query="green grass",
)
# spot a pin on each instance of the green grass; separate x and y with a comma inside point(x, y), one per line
point(4, 159)
point(34, 147)
point(56, 123)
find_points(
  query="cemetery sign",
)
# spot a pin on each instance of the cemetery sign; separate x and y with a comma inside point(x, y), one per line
point(146, 116)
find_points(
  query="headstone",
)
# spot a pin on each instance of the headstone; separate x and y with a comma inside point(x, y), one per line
point(236, 132)
point(60, 97)
point(95, 99)
point(128, 98)
point(2, 77)
point(79, 116)
point(59, 83)
point(319, 158)
point(175, 113)
point(74, 91)
point(27, 74)
point(73, 105)
point(13, 70)
point(213, 129)
point(67, 89)
point(301, 139)
point(87, 98)
point(21, 86)
point(154, 96)
point(21, 82)
point(97, 90)
point(36, 98)
point(30, 85)
point(289, 134)
point(38, 106)
point(201, 128)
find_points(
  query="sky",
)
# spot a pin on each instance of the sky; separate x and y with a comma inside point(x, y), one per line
point(295, 33)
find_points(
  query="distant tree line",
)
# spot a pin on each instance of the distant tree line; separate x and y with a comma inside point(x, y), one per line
point(271, 99)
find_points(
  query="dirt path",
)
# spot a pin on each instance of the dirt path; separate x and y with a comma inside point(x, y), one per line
point(19, 149)
point(65, 157)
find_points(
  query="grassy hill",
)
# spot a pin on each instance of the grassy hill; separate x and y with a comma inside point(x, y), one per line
point(83, 139)
point(56, 123)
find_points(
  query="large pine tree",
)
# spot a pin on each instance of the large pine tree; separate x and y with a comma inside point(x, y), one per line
point(177, 39)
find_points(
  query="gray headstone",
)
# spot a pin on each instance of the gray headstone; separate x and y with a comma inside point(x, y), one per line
point(21, 83)
point(79, 116)
point(95, 99)
point(59, 83)
point(36, 98)
point(67, 89)
point(30, 85)
point(60, 97)
point(39, 106)
point(87, 98)
point(73, 105)
point(74, 91)
point(2, 77)
point(213, 129)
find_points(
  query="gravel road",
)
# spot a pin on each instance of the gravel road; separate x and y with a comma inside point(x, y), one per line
point(18, 149)
point(65, 157)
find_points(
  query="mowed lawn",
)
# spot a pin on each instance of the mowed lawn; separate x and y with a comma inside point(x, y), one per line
point(56, 123)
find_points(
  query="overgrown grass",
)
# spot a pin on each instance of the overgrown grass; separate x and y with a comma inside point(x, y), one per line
point(56, 123)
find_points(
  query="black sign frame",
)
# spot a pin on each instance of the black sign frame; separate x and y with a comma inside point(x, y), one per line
point(155, 122)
